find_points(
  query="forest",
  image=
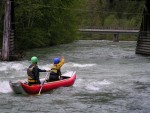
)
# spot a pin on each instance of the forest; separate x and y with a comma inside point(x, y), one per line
point(41, 23)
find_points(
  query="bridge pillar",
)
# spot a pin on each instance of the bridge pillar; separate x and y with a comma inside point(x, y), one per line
point(6, 31)
point(143, 42)
point(116, 38)
point(8, 47)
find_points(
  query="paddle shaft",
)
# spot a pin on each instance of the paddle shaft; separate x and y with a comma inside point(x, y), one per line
point(42, 84)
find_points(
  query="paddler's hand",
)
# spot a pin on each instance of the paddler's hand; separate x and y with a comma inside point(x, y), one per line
point(48, 70)
point(62, 57)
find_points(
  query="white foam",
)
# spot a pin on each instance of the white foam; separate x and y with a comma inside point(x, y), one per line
point(97, 85)
point(104, 82)
point(91, 87)
point(12, 65)
point(67, 65)
point(17, 66)
point(79, 82)
point(5, 87)
point(83, 65)
point(3, 68)
point(46, 67)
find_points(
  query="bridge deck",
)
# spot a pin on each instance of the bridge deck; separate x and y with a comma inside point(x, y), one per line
point(109, 31)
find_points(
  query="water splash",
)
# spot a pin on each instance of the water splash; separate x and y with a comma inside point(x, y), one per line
point(79, 65)
point(97, 85)
point(12, 66)
point(104, 82)
point(46, 66)
point(17, 66)
point(5, 87)
point(3, 68)
point(92, 85)
point(83, 65)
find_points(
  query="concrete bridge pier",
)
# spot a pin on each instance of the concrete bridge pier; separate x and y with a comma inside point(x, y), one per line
point(8, 48)
point(143, 42)
point(116, 38)
point(6, 31)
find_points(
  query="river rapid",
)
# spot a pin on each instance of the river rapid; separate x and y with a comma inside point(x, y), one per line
point(111, 78)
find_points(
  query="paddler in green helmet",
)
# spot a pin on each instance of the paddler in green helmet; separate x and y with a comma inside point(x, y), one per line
point(33, 72)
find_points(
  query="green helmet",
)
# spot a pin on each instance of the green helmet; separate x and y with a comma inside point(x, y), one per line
point(34, 59)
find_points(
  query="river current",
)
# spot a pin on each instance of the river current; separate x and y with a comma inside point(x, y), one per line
point(111, 78)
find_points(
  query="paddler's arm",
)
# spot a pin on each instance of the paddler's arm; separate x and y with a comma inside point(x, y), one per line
point(43, 70)
point(61, 62)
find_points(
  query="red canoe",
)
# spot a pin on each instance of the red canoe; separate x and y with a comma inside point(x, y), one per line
point(23, 88)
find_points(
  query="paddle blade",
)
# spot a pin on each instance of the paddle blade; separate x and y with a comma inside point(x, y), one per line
point(39, 94)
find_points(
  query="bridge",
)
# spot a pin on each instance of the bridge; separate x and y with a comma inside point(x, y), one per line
point(115, 32)
point(109, 31)
point(143, 34)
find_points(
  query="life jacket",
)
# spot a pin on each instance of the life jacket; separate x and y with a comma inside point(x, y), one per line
point(31, 76)
point(55, 71)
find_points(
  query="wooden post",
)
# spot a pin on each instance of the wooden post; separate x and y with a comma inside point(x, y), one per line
point(6, 31)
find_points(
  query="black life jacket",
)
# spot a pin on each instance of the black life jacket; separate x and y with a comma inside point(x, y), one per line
point(31, 75)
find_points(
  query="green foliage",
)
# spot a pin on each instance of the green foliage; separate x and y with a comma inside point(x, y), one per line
point(101, 11)
point(113, 14)
point(111, 21)
point(42, 23)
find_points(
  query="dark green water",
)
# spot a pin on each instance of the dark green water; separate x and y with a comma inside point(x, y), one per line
point(111, 78)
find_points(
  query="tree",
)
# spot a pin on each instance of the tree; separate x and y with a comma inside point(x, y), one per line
point(45, 22)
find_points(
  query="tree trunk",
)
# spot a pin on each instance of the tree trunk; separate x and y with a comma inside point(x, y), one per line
point(6, 31)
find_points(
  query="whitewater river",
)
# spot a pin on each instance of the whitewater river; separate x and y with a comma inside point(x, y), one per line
point(111, 78)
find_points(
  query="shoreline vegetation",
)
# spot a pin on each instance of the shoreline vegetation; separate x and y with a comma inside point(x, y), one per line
point(48, 23)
